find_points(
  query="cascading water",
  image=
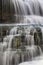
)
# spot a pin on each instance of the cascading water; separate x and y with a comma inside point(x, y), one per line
point(26, 7)
point(27, 51)
point(10, 8)
point(24, 42)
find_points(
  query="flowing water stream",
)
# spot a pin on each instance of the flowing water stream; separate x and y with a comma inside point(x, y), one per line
point(18, 48)
point(24, 44)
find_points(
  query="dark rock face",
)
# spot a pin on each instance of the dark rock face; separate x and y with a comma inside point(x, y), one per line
point(0, 10)
point(6, 10)
point(38, 36)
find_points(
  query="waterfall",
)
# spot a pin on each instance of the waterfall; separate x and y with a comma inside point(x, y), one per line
point(28, 52)
point(28, 7)
point(20, 7)
point(25, 40)
point(13, 31)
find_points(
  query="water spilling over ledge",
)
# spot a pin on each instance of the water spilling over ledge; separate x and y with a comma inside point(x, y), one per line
point(21, 45)
point(21, 36)
point(28, 7)
point(20, 7)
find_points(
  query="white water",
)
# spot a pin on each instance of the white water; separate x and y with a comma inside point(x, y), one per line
point(28, 7)
point(31, 52)
point(27, 52)
point(15, 56)
point(37, 62)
